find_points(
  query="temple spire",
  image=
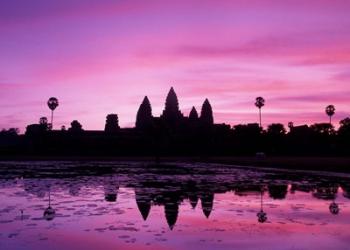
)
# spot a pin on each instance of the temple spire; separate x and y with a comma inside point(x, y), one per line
point(207, 113)
point(144, 114)
point(171, 111)
point(193, 114)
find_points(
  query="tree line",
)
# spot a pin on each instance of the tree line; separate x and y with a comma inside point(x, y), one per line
point(172, 133)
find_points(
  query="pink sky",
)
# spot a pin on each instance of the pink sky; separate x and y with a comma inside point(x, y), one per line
point(103, 56)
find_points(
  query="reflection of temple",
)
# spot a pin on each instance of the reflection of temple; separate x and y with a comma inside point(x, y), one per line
point(169, 191)
point(143, 201)
point(111, 189)
point(171, 209)
point(207, 200)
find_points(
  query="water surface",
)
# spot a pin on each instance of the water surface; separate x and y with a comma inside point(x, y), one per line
point(111, 205)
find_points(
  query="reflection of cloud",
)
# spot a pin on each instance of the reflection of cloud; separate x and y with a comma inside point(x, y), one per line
point(343, 76)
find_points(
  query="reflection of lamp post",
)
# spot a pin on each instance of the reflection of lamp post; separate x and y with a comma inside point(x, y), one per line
point(262, 217)
point(334, 208)
point(49, 213)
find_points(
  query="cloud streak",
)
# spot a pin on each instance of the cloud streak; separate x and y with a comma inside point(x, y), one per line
point(100, 57)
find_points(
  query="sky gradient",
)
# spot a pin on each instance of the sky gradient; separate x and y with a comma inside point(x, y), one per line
point(102, 56)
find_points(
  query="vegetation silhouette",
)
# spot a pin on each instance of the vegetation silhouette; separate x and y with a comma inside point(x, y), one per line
point(52, 103)
point(330, 111)
point(174, 134)
point(75, 127)
point(259, 103)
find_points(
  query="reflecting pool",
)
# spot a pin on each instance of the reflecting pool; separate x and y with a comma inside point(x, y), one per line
point(121, 205)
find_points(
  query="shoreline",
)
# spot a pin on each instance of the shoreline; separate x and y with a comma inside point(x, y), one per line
point(330, 164)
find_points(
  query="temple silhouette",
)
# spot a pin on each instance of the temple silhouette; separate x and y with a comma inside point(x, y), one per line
point(174, 134)
point(172, 118)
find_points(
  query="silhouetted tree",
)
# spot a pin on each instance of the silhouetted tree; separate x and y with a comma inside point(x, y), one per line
point(44, 124)
point(10, 131)
point(344, 129)
point(275, 137)
point(112, 123)
point(276, 129)
point(207, 113)
point(75, 127)
point(326, 191)
point(323, 128)
point(35, 129)
point(9, 137)
point(193, 117)
point(346, 189)
point(52, 103)
point(344, 136)
point(278, 191)
point(334, 208)
point(246, 138)
point(43, 121)
point(144, 116)
point(259, 103)
point(330, 111)
point(262, 216)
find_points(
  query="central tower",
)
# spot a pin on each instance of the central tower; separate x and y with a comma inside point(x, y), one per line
point(171, 112)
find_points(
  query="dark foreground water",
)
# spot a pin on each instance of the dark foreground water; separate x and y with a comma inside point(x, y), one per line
point(64, 205)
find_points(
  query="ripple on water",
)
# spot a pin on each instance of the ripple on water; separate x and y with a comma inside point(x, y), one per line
point(123, 236)
point(31, 225)
point(12, 235)
point(101, 230)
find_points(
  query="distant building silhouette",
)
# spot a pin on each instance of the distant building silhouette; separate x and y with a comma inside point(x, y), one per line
point(112, 123)
point(171, 113)
point(193, 117)
point(144, 118)
point(207, 113)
